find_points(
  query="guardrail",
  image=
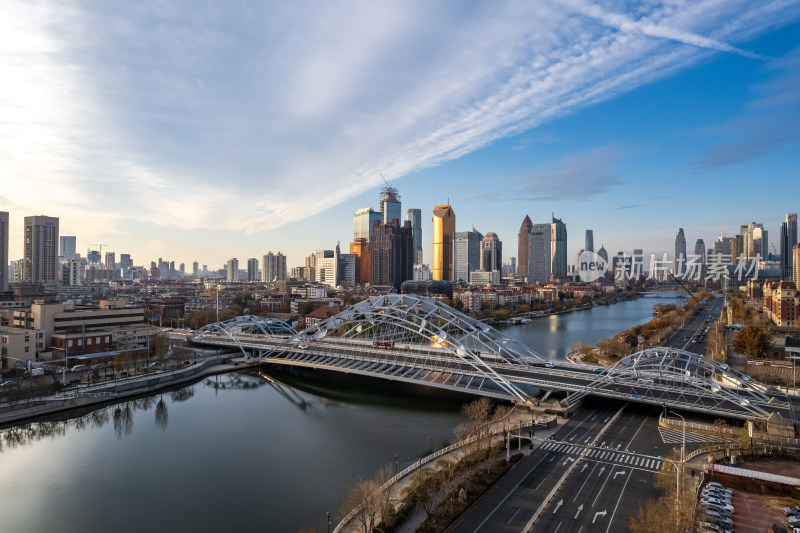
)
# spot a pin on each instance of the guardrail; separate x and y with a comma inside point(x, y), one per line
point(758, 437)
point(418, 464)
point(30, 410)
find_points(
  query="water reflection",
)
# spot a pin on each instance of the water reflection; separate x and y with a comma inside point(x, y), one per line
point(121, 414)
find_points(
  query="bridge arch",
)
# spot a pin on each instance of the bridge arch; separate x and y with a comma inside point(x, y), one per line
point(245, 326)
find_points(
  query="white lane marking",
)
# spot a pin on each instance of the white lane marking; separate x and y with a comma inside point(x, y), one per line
point(603, 486)
point(618, 500)
point(514, 516)
point(618, 472)
point(585, 480)
point(558, 505)
point(599, 513)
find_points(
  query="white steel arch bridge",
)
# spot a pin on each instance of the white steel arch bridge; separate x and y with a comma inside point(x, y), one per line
point(413, 339)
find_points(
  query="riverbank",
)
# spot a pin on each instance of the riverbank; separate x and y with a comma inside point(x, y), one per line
point(516, 319)
point(116, 390)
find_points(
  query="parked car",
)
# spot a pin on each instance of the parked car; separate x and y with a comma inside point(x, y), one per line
point(717, 493)
point(791, 511)
point(712, 500)
point(794, 521)
point(8, 383)
point(722, 509)
point(778, 528)
point(717, 485)
point(78, 368)
point(719, 518)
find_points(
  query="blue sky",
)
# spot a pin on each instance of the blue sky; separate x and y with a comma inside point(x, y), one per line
point(189, 130)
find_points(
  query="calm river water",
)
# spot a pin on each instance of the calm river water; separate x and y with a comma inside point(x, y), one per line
point(236, 453)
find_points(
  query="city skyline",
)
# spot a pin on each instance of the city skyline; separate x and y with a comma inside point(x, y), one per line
point(680, 114)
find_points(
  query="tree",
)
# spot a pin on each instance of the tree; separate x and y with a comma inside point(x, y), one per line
point(369, 498)
point(478, 413)
point(752, 341)
point(501, 314)
point(161, 346)
point(458, 305)
point(427, 486)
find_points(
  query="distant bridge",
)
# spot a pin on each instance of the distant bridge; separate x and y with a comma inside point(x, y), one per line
point(412, 339)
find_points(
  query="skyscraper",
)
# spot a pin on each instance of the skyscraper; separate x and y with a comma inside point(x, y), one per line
point(491, 252)
point(540, 258)
point(111, 260)
point(362, 223)
point(603, 253)
point(392, 254)
point(252, 269)
point(415, 217)
point(755, 240)
point(444, 225)
point(796, 264)
point(195, 269)
point(788, 240)
point(524, 246)
point(232, 269)
point(3, 251)
point(589, 241)
point(466, 254)
point(125, 264)
point(273, 267)
point(700, 251)
point(67, 246)
point(390, 205)
point(40, 249)
point(558, 249)
point(680, 252)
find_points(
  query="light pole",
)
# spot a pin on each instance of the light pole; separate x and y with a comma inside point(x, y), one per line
point(329, 521)
point(683, 445)
point(395, 464)
point(430, 449)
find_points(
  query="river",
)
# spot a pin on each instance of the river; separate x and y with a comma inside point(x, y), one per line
point(236, 453)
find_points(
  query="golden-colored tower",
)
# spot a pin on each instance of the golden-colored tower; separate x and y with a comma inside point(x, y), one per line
point(444, 225)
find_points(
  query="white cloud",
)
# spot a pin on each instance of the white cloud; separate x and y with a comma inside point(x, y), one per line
point(201, 115)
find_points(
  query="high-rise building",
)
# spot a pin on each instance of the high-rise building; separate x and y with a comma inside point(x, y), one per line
point(788, 240)
point(363, 221)
point(390, 205)
point(524, 246)
point(415, 217)
point(4, 251)
point(66, 246)
point(540, 258)
point(558, 249)
point(680, 253)
point(252, 269)
point(360, 249)
point(232, 269)
point(125, 264)
point(589, 241)
point(796, 265)
point(273, 267)
point(195, 269)
point(466, 254)
point(700, 251)
point(722, 245)
point(603, 253)
point(491, 252)
point(392, 254)
point(444, 225)
point(111, 260)
point(72, 272)
point(41, 249)
point(327, 267)
point(756, 240)
point(737, 248)
point(182, 269)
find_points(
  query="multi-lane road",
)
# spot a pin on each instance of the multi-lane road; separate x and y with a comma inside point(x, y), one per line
point(607, 479)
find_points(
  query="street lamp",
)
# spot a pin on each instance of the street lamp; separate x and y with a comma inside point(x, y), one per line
point(683, 444)
point(329, 521)
point(430, 449)
point(395, 464)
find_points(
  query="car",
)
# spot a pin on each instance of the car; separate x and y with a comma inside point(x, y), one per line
point(599, 370)
point(645, 380)
point(778, 528)
point(724, 521)
point(724, 509)
point(548, 364)
point(716, 485)
point(8, 383)
point(791, 511)
point(794, 521)
point(78, 368)
point(726, 492)
point(712, 499)
point(717, 494)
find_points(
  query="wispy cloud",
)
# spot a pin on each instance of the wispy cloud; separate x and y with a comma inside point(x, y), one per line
point(200, 115)
point(773, 120)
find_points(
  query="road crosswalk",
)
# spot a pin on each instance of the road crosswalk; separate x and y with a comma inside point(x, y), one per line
point(675, 436)
point(605, 455)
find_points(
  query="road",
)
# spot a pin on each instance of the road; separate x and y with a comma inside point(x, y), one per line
point(512, 502)
point(602, 492)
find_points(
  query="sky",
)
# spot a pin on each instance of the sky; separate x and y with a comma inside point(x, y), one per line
point(190, 130)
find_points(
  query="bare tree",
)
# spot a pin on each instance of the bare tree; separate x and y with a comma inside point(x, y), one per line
point(478, 413)
point(369, 498)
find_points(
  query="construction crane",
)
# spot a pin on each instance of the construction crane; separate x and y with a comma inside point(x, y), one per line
point(100, 246)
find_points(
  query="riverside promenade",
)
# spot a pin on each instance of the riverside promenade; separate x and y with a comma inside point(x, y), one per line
point(457, 451)
point(114, 390)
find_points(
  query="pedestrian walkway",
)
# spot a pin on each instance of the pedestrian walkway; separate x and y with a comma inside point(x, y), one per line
point(498, 434)
point(676, 436)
